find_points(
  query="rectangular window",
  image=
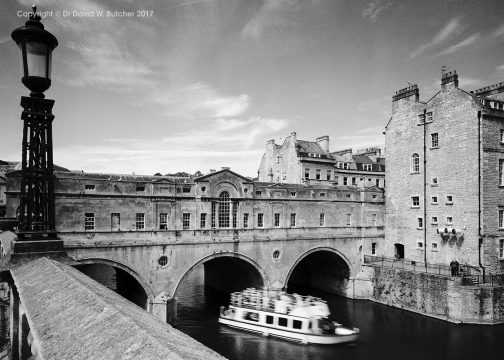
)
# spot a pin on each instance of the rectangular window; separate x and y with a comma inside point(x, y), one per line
point(89, 187)
point(501, 173)
point(317, 174)
point(163, 221)
point(429, 116)
point(367, 167)
point(434, 200)
point(336, 180)
point(258, 192)
point(322, 219)
point(434, 246)
point(322, 194)
point(293, 194)
point(329, 174)
point(214, 208)
point(377, 182)
point(373, 248)
point(449, 220)
point(502, 135)
point(501, 249)
point(419, 223)
point(235, 214)
point(292, 219)
point(306, 173)
point(501, 219)
point(277, 220)
point(449, 199)
point(186, 221)
point(349, 219)
point(345, 180)
point(420, 245)
point(140, 188)
point(140, 221)
point(354, 181)
point(203, 220)
point(115, 221)
point(434, 182)
point(260, 220)
point(415, 201)
point(245, 220)
point(186, 189)
point(282, 321)
point(434, 140)
point(296, 324)
point(374, 219)
point(252, 316)
point(434, 220)
point(89, 221)
point(269, 319)
point(421, 118)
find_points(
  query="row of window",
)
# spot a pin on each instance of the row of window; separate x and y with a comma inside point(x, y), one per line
point(354, 181)
point(89, 221)
point(415, 200)
point(434, 221)
point(140, 188)
point(319, 175)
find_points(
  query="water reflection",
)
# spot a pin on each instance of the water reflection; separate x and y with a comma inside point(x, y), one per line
point(386, 333)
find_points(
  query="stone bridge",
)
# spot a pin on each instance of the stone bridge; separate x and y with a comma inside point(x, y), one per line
point(327, 259)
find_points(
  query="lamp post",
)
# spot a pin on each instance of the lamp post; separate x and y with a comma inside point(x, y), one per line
point(36, 219)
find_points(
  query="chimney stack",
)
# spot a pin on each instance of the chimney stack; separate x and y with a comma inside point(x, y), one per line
point(448, 77)
point(323, 142)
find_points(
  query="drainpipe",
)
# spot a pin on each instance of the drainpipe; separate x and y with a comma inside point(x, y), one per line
point(425, 185)
point(480, 236)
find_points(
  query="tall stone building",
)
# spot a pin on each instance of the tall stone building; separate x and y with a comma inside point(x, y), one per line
point(310, 162)
point(445, 176)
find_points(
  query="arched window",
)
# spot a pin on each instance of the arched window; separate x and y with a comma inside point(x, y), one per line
point(415, 163)
point(224, 209)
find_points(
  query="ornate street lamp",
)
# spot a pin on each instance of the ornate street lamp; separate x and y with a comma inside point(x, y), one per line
point(36, 211)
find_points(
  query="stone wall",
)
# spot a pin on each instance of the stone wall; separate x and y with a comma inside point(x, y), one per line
point(437, 296)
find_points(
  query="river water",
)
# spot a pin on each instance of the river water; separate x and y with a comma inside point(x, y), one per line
point(386, 333)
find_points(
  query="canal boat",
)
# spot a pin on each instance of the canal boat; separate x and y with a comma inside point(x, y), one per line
point(289, 316)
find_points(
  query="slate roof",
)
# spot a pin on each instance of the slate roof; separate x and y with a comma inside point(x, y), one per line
point(121, 177)
point(6, 166)
point(74, 317)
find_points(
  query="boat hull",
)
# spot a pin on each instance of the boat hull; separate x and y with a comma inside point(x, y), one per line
point(326, 339)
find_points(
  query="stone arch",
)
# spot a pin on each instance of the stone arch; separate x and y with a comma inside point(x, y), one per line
point(226, 186)
point(147, 288)
point(306, 254)
point(264, 277)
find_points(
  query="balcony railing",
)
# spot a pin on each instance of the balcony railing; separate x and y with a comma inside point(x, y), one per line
point(410, 265)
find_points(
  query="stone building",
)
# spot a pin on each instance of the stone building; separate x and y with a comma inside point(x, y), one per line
point(445, 176)
point(302, 162)
point(223, 199)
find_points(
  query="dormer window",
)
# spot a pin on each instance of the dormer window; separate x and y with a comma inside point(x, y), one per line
point(368, 167)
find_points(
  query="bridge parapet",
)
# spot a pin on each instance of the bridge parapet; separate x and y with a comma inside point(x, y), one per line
point(59, 313)
point(129, 238)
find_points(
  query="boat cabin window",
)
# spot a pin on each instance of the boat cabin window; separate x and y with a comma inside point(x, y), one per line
point(269, 319)
point(282, 321)
point(251, 316)
point(296, 324)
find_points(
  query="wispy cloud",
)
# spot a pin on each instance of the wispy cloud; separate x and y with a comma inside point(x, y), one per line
point(229, 142)
point(500, 70)
point(471, 40)
point(198, 100)
point(274, 14)
point(373, 9)
point(453, 27)
point(499, 31)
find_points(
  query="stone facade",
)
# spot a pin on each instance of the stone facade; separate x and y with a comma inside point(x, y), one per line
point(438, 296)
point(311, 162)
point(103, 195)
point(443, 160)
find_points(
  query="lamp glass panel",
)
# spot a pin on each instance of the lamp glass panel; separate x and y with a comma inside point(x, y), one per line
point(36, 57)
